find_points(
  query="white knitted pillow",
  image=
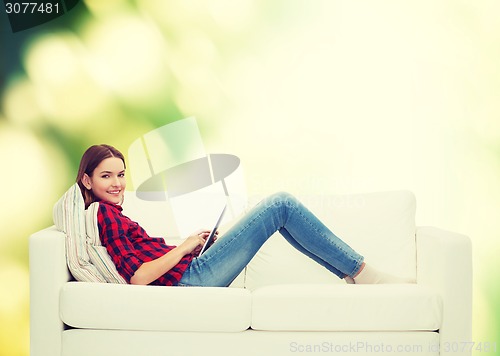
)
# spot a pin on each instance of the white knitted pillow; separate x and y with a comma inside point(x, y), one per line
point(98, 254)
point(69, 217)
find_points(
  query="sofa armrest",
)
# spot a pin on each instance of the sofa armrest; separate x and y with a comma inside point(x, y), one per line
point(48, 272)
point(444, 262)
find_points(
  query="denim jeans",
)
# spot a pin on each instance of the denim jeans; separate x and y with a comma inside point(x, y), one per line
point(229, 255)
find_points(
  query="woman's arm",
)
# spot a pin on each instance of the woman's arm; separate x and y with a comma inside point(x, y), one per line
point(152, 270)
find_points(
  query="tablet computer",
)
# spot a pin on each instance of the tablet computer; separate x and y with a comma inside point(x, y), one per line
point(211, 237)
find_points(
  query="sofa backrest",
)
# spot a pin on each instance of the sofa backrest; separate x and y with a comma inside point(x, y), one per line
point(380, 226)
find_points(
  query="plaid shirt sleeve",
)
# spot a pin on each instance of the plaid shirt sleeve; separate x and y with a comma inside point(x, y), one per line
point(113, 228)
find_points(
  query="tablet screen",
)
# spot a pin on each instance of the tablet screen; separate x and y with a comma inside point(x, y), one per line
point(213, 233)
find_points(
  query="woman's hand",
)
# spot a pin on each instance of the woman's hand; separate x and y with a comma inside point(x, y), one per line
point(150, 271)
point(194, 243)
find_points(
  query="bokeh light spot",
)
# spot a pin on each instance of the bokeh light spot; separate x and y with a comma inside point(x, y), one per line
point(128, 56)
point(32, 173)
point(20, 101)
point(66, 92)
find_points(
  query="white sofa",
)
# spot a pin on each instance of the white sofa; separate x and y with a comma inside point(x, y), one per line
point(282, 303)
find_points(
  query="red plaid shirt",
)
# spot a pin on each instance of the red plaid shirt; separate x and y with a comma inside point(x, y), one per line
point(130, 246)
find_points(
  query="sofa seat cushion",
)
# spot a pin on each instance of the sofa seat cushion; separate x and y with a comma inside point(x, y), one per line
point(154, 308)
point(405, 307)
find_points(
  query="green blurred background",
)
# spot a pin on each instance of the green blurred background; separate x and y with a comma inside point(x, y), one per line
point(315, 96)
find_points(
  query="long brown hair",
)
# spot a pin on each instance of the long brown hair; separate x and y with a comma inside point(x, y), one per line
point(90, 160)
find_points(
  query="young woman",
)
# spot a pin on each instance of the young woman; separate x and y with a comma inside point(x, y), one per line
point(142, 259)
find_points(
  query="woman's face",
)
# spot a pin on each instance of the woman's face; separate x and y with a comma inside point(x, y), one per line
point(108, 180)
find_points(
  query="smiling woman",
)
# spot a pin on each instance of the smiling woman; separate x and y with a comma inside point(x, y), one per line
point(101, 175)
point(141, 259)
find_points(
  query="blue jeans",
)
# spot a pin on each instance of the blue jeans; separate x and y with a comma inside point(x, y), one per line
point(229, 255)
